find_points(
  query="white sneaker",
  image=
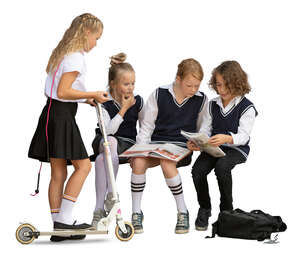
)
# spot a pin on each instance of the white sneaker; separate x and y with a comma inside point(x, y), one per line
point(97, 216)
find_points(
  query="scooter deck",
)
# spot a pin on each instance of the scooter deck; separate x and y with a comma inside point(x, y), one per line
point(68, 232)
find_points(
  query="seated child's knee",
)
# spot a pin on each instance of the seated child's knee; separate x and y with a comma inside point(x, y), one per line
point(222, 165)
point(222, 171)
point(139, 163)
point(100, 159)
point(167, 163)
point(197, 173)
point(112, 141)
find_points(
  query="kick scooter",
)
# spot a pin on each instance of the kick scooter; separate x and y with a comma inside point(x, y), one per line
point(27, 233)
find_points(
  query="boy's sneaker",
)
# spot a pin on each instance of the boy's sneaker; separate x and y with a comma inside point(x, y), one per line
point(97, 216)
point(201, 222)
point(109, 202)
point(183, 223)
point(137, 222)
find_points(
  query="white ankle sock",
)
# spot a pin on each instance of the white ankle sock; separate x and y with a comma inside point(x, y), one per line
point(54, 214)
point(138, 182)
point(66, 209)
point(175, 186)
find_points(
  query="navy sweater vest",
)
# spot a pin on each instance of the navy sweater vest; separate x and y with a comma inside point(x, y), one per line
point(127, 128)
point(229, 122)
point(173, 117)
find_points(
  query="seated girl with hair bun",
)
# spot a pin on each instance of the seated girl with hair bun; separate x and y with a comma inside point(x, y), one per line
point(121, 114)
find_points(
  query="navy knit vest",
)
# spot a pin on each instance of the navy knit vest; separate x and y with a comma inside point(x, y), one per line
point(173, 117)
point(229, 122)
point(127, 128)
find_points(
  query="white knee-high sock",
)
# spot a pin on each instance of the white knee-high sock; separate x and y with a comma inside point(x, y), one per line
point(138, 182)
point(175, 186)
point(100, 181)
point(113, 145)
point(66, 209)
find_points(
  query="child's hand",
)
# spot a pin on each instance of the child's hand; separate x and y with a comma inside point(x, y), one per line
point(192, 146)
point(91, 102)
point(220, 139)
point(127, 101)
point(101, 97)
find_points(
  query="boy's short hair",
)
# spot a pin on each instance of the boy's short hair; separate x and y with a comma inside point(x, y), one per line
point(236, 79)
point(190, 66)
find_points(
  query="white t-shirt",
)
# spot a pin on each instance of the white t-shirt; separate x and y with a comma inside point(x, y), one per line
point(70, 63)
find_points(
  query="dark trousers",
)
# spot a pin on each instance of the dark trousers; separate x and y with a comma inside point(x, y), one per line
point(223, 166)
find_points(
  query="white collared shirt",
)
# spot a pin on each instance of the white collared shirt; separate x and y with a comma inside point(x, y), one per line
point(148, 118)
point(112, 125)
point(245, 124)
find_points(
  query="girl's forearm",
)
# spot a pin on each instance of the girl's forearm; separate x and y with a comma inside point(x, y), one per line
point(73, 94)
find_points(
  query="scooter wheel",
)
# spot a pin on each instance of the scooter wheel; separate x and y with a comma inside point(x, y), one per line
point(24, 234)
point(125, 236)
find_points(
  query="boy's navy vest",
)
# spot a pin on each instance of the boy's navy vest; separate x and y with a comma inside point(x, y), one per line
point(229, 122)
point(173, 117)
point(127, 128)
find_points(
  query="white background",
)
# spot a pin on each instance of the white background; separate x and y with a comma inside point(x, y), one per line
point(156, 35)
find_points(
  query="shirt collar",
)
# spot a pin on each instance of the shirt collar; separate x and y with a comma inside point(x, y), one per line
point(232, 103)
point(171, 90)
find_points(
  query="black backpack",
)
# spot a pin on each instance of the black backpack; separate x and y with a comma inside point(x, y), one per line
point(255, 225)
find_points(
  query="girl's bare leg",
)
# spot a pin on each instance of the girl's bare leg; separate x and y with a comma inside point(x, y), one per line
point(56, 186)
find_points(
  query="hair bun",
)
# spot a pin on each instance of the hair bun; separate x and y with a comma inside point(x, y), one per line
point(119, 58)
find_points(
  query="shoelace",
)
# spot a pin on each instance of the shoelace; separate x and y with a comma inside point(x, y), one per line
point(182, 219)
point(137, 219)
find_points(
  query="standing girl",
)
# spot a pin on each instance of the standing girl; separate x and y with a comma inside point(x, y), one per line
point(57, 138)
point(228, 119)
point(169, 109)
point(121, 114)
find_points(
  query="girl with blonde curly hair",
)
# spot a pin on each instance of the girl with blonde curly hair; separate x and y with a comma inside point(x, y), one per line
point(121, 114)
point(57, 138)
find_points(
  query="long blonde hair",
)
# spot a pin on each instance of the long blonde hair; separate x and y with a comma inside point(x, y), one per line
point(74, 38)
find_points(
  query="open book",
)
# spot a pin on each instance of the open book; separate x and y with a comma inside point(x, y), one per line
point(200, 140)
point(161, 151)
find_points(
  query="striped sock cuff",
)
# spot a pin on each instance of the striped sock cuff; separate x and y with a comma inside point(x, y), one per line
point(69, 198)
point(137, 187)
point(177, 189)
point(54, 211)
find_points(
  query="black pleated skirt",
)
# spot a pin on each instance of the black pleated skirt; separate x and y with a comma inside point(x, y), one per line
point(64, 138)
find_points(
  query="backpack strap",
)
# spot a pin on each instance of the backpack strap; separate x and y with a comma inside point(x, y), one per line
point(214, 230)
